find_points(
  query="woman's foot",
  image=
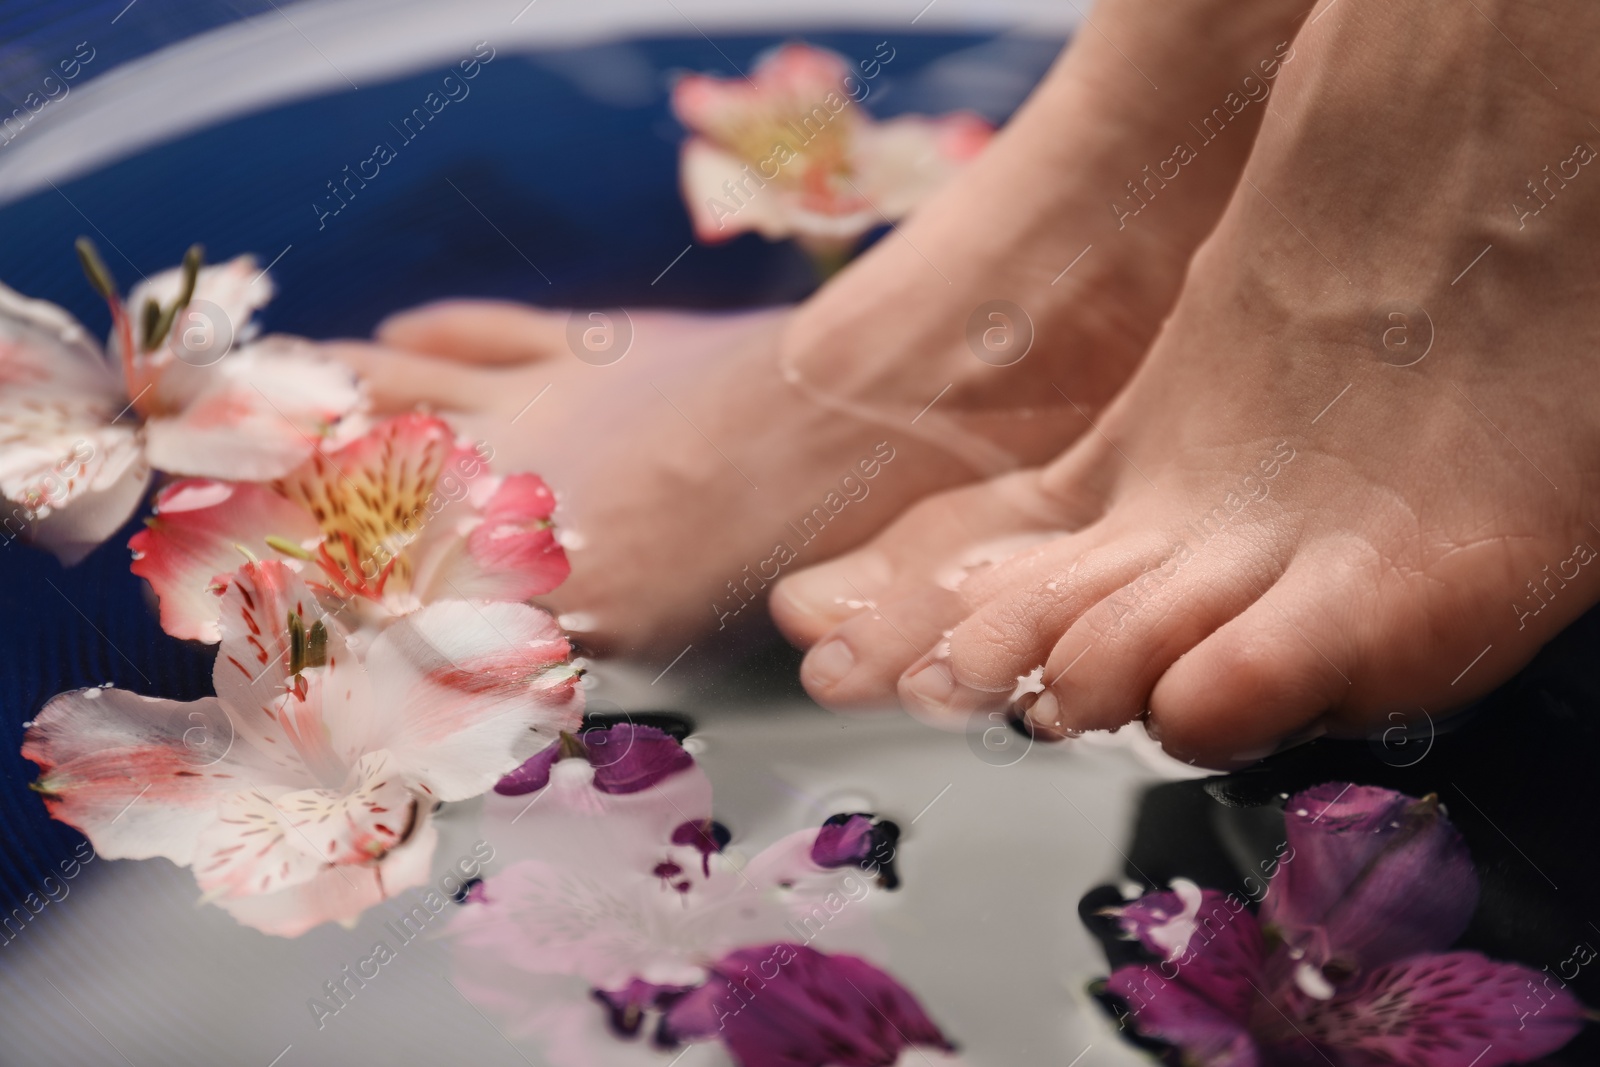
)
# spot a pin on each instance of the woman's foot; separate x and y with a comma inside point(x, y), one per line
point(1354, 477)
point(722, 451)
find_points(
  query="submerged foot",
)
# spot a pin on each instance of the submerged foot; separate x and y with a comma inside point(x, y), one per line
point(1354, 478)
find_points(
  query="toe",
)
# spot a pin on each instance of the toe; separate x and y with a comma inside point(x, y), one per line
point(1101, 673)
point(1264, 676)
point(935, 543)
point(858, 665)
point(489, 332)
point(1020, 610)
point(397, 380)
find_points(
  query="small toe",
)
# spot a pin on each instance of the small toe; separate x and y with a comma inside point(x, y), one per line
point(934, 544)
point(397, 380)
point(1020, 610)
point(857, 666)
point(487, 332)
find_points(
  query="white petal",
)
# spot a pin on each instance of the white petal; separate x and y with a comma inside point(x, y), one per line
point(94, 496)
point(234, 291)
point(260, 844)
point(264, 411)
point(468, 691)
point(142, 777)
point(58, 447)
point(338, 894)
point(318, 719)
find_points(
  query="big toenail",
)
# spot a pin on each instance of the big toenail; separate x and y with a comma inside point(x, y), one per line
point(934, 687)
point(829, 663)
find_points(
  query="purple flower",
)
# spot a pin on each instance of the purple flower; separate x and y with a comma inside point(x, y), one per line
point(626, 759)
point(858, 840)
point(786, 1005)
point(1358, 852)
point(1346, 965)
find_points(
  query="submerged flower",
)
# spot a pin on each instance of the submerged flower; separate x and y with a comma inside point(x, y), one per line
point(630, 890)
point(183, 387)
point(1346, 964)
point(787, 1005)
point(625, 758)
point(302, 792)
point(790, 152)
point(403, 516)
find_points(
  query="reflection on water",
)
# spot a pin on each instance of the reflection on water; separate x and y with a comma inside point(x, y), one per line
point(991, 861)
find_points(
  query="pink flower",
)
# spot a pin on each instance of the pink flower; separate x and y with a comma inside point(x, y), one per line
point(631, 892)
point(788, 152)
point(302, 792)
point(183, 387)
point(1347, 963)
point(403, 516)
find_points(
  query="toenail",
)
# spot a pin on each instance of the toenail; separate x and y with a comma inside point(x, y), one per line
point(829, 663)
point(837, 590)
point(1046, 711)
point(934, 687)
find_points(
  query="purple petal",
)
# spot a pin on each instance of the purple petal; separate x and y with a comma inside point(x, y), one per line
point(1208, 945)
point(704, 835)
point(532, 776)
point(1369, 876)
point(858, 840)
point(1167, 1011)
point(1457, 1009)
point(626, 1007)
point(787, 1005)
point(629, 758)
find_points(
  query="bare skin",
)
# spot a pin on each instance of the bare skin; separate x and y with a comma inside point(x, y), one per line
point(1296, 518)
point(699, 453)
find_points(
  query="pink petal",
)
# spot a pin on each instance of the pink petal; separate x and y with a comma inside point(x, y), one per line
point(1370, 876)
point(512, 553)
point(320, 719)
point(382, 497)
point(341, 894)
point(1452, 1010)
point(785, 1005)
point(265, 410)
point(141, 777)
point(597, 921)
point(786, 83)
point(467, 692)
point(196, 535)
